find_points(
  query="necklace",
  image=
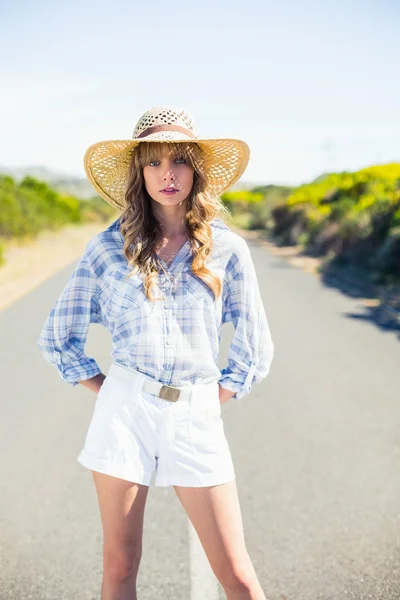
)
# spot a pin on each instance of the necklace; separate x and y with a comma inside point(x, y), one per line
point(168, 275)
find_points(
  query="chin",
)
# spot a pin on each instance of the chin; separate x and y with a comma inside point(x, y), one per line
point(175, 198)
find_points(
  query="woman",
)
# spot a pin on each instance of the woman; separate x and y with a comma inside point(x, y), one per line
point(163, 278)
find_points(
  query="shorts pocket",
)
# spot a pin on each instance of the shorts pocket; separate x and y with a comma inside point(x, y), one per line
point(109, 433)
point(207, 435)
point(112, 394)
point(214, 410)
point(207, 407)
point(181, 424)
point(206, 425)
point(102, 392)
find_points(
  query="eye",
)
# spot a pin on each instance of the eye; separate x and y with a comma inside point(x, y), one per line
point(179, 158)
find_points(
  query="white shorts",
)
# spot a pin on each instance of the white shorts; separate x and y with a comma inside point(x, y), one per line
point(133, 431)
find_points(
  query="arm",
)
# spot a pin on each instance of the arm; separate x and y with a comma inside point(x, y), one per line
point(63, 336)
point(251, 351)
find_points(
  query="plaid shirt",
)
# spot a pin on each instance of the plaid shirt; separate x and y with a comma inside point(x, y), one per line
point(175, 340)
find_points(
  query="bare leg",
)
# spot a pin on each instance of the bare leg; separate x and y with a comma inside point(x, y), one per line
point(122, 506)
point(215, 514)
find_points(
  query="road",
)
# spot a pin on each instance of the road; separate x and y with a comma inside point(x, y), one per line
point(316, 448)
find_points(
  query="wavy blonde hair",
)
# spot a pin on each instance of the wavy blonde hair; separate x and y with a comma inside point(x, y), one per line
point(142, 231)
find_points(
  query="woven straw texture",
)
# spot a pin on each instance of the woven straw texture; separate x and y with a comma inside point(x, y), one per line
point(106, 163)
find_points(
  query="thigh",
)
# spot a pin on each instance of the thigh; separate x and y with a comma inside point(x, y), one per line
point(216, 516)
point(122, 505)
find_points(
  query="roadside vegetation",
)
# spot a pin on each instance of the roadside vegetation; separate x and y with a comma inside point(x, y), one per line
point(347, 218)
point(30, 206)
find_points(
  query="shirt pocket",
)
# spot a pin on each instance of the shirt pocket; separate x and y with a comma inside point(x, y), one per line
point(196, 292)
point(136, 320)
point(201, 311)
point(126, 293)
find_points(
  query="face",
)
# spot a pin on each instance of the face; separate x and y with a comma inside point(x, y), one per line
point(168, 172)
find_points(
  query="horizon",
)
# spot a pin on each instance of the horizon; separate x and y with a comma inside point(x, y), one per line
point(58, 177)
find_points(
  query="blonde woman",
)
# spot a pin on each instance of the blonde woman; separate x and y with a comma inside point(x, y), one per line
point(163, 278)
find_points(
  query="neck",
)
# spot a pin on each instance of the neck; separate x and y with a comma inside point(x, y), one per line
point(172, 227)
point(172, 219)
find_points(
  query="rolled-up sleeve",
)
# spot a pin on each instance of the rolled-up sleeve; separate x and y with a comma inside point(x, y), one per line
point(63, 335)
point(251, 351)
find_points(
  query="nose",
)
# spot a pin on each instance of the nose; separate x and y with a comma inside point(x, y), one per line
point(169, 174)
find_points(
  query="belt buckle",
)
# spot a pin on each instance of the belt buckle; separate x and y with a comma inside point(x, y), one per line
point(168, 392)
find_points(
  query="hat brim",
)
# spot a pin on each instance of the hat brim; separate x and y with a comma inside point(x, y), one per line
point(106, 163)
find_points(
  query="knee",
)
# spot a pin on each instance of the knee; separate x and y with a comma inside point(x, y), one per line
point(238, 577)
point(122, 563)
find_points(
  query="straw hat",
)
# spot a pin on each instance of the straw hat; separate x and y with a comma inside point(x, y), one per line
point(106, 163)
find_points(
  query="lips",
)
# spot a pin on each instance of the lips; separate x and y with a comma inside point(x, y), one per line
point(170, 192)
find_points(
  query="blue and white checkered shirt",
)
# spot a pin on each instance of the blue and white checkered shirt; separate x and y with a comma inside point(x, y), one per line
point(175, 340)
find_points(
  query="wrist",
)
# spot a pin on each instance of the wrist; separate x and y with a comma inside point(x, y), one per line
point(225, 395)
point(94, 383)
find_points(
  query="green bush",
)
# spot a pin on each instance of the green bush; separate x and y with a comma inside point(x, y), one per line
point(349, 217)
point(30, 206)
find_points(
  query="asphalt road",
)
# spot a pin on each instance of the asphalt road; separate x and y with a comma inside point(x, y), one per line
point(316, 448)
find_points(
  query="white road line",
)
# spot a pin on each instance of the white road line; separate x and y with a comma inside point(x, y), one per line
point(203, 583)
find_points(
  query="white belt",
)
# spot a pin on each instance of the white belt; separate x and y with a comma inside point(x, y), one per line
point(166, 392)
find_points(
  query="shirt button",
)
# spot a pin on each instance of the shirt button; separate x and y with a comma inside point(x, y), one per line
point(167, 343)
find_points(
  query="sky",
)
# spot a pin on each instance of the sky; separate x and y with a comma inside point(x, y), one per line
point(311, 86)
